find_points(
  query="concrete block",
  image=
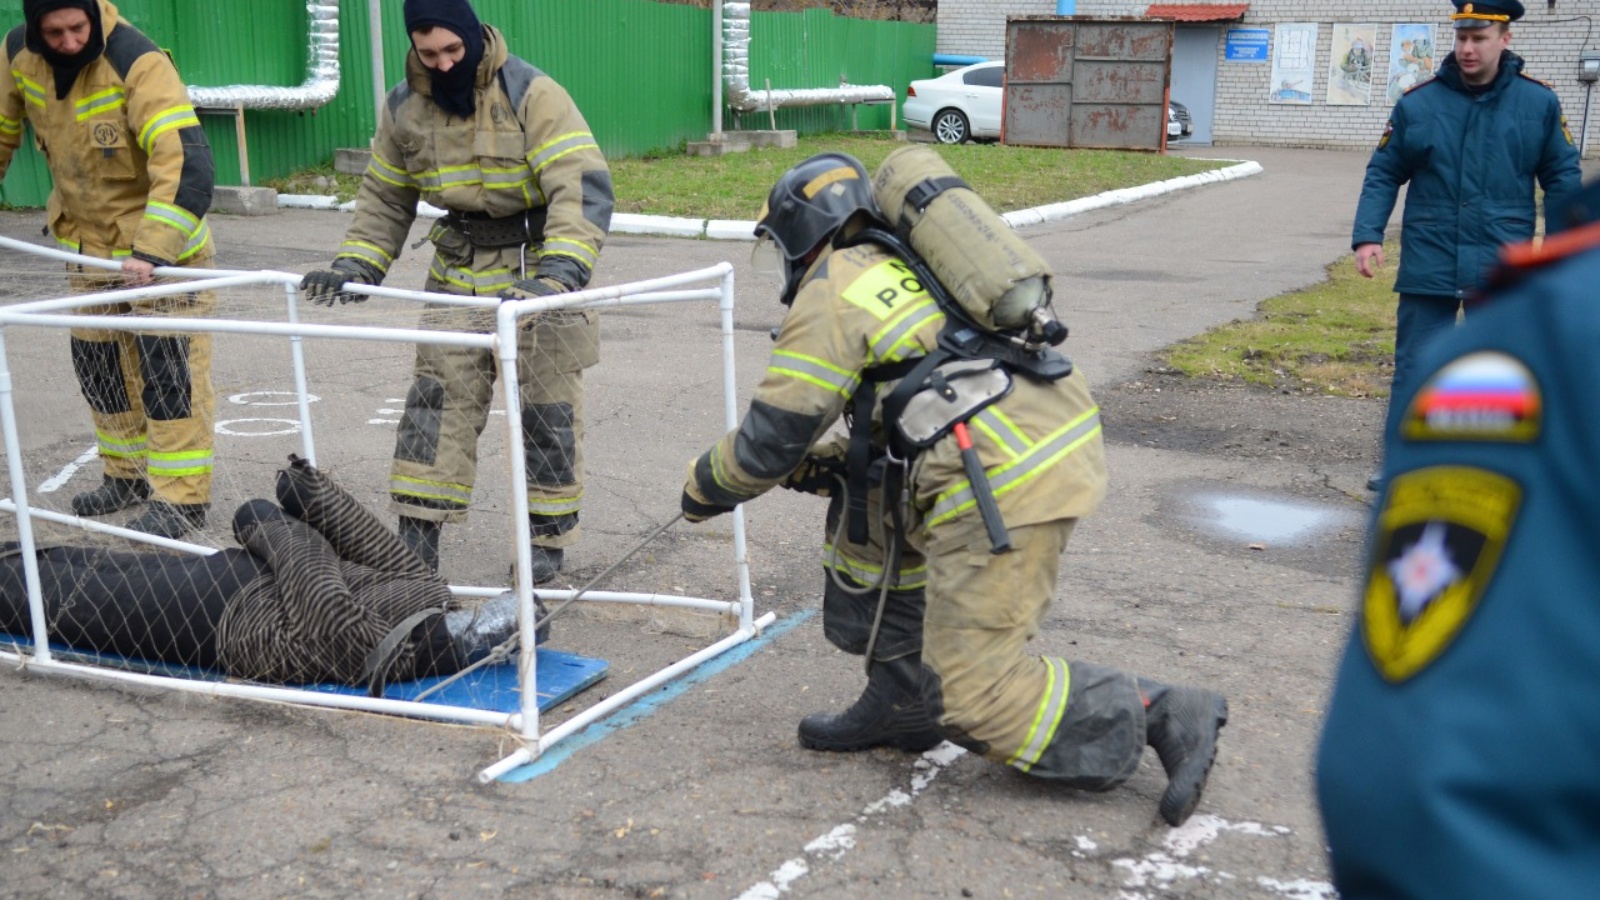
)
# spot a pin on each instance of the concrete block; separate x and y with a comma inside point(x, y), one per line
point(244, 201)
point(782, 138)
point(716, 148)
point(351, 160)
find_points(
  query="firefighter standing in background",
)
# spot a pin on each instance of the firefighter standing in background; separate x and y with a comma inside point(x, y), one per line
point(947, 658)
point(502, 147)
point(133, 180)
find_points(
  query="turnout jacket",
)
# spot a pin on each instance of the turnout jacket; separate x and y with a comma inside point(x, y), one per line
point(1471, 160)
point(861, 307)
point(131, 167)
point(527, 149)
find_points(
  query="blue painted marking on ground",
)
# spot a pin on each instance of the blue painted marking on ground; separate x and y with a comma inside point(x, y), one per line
point(646, 706)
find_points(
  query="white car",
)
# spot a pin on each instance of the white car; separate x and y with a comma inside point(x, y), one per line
point(959, 105)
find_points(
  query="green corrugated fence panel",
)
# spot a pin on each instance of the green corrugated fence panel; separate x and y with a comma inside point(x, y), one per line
point(639, 94)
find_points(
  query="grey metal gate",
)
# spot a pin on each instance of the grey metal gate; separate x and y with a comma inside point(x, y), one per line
point(1087, 83)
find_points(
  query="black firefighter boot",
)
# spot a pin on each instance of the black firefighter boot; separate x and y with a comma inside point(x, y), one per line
point(889, 713)
point(422, 536)
point(113, 495)
point(170, 520)
point(1182, 724)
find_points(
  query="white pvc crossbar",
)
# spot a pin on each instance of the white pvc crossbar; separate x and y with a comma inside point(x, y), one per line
point(682, 287)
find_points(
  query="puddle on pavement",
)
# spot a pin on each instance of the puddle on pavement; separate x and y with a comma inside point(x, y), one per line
point(1266, 521)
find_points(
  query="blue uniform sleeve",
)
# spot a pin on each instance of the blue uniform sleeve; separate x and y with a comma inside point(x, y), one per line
point(1385, 173)
point(1559, 173)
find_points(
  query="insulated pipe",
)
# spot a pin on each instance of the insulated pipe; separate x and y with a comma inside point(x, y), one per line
point(736, 73)
point(322, 77)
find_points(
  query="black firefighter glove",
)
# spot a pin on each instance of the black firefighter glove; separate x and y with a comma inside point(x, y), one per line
point(324, 285)
point(529, 288)
point(695, 507)
point(819, 475)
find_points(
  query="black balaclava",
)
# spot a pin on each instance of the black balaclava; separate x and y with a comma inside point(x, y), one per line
point(452, 90)
point(65, 67)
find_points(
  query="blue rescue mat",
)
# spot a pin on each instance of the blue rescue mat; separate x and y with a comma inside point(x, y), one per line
point(491, 688)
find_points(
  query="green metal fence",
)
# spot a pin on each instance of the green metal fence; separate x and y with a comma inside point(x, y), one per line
point(641, 71)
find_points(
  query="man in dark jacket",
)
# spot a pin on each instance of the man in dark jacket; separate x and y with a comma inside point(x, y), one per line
point(1471, 143)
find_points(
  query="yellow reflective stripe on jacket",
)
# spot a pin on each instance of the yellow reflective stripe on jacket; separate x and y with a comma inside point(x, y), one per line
point(501, 178)
point(32, 91)
point(1047, 718)
point(814, 370)
point(106, 100)
point(553, 150)
point(178, 218)
point(889, 344)
point(578, 250)
point(110, 446)
point(367, 252)
point(179, 463)
point(553, 506)
point(1009, 476)
point(907, 579)
point(197, 243)
point(10, 126)
point(1000, 429)
point(458, 494)
point(165, 121)
point(482, 283)
point(389, 173)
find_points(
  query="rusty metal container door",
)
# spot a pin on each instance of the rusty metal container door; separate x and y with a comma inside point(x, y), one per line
point(1087, 83)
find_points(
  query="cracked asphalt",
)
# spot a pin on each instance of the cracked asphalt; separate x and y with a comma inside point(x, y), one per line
point(132, 792)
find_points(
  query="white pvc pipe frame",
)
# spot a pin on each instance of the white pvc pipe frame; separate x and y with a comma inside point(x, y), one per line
point(683, 287)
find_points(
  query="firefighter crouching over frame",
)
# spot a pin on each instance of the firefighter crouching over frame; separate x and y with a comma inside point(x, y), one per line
point(133, 178)
point(945, 657)
point(502, 146)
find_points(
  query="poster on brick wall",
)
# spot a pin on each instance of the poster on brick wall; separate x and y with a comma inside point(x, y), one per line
point(1410, 58)
point(1294, 61)
point(1350, 65)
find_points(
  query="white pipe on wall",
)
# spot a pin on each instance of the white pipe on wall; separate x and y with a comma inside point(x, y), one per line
point(736, 73)
point(322, 79)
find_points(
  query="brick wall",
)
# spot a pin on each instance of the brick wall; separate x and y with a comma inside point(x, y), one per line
point(1548, 40)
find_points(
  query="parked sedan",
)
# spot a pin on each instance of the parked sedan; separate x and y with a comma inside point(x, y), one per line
point(959, 105)
point(1178, 122)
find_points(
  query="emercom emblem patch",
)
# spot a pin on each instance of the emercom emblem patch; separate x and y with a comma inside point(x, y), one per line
point(1439, 538)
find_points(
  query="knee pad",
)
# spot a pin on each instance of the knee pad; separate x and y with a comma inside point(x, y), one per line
point(98, 365)
point(417, 439)
point(551, 443)
point(164, 365)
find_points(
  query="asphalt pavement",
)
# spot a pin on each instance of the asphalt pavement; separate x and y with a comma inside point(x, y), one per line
point(700, 790)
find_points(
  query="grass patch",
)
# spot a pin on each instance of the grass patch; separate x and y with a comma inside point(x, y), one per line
point(1335, 338)
point(734, 186)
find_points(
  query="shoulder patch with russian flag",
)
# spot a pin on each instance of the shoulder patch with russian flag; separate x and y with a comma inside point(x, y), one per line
point(1486, 395)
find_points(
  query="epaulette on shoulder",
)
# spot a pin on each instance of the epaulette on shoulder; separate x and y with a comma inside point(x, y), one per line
point(1419, 84)
point(1537, 81)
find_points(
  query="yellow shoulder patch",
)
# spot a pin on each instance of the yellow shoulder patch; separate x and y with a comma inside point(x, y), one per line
point(1439, 538)
point(884, 288)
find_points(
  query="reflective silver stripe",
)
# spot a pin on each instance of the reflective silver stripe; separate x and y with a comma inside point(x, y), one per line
point(917, 315)
point(384, 171)
point(577, 250)
point(171, 215)
point(991, 422)
point(501, 179)
point(198, 242)
point(109, 446)
point(1052, 709)
point(168, 120)
point(815, 371)
point(455, 494)
point(547, 506)
point(1010, 475)
point(10, 126)
point(106, 100)
point(177, 465)
point(561, 146)
point(907, 579)
point(368, 253)
point(484, 283)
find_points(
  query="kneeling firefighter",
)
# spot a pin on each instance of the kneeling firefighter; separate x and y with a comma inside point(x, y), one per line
point(973, 451)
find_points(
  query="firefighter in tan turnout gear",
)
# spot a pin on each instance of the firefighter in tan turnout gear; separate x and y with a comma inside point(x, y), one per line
point(503, 148)
point(133, 179)
point(946, 658)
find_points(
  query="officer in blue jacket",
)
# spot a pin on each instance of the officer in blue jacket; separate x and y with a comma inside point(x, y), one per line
point(1459, 755)
point(1470, 142)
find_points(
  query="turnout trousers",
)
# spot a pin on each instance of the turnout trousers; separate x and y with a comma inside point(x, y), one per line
point(447, 407)
point(149, 393)
point(1077, 722)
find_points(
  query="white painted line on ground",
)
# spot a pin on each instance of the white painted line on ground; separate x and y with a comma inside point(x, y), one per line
point(842, 838)
point(55, 481)
point(1160, 869)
